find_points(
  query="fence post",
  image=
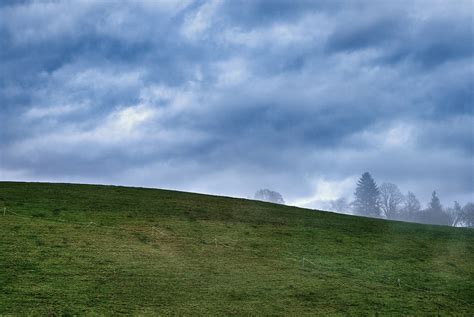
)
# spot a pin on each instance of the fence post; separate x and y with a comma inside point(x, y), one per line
point(4, 210)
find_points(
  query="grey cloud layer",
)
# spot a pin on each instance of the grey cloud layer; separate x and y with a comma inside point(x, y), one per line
point(230, 96)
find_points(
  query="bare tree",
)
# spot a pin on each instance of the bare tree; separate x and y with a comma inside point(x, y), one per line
point(455, 213)
point(411, 208)
point(339, 205)
point(269, 195)
point(390, 200)
point(467, 215)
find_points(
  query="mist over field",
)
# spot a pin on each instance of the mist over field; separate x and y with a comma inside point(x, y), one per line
point(229, 97)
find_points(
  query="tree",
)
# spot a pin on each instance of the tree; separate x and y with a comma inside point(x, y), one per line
point(435, 203)
point(269, 195)
point(455, 213)
point(411, 207)
point(435, 213)
point(467, 215)
point(339, 205)
point(367, 197)
point(390, 200)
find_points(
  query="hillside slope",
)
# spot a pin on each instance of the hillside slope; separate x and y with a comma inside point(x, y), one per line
point(87, 249)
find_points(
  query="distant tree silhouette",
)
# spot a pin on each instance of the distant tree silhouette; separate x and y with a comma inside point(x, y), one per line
point(435, 203)
point(435, 213)
point(390, 200)
point(269, 195)
point(467, 215)
point(455, 213)
point(367, 197)
point(339, 205)
point(411, 208)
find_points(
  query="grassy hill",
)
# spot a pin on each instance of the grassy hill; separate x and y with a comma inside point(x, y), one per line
point(86, 249)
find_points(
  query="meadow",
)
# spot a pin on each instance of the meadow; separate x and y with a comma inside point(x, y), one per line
point(70, 249)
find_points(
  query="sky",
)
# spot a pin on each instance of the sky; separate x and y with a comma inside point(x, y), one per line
point(227, 97)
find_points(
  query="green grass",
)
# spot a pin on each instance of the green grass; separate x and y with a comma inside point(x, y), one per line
point(95, 250)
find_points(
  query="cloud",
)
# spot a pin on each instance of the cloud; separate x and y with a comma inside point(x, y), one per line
point(198, 21)
point(326, 191)
point(227, 97)
point(54, 111)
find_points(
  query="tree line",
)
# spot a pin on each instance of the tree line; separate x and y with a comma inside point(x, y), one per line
point(387, 201)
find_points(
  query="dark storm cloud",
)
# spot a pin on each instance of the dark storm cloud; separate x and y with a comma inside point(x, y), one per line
point(229, 96)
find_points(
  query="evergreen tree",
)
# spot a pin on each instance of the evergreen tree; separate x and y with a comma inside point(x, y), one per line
point(367, 197)
point(435, 213)
point(435, 204)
